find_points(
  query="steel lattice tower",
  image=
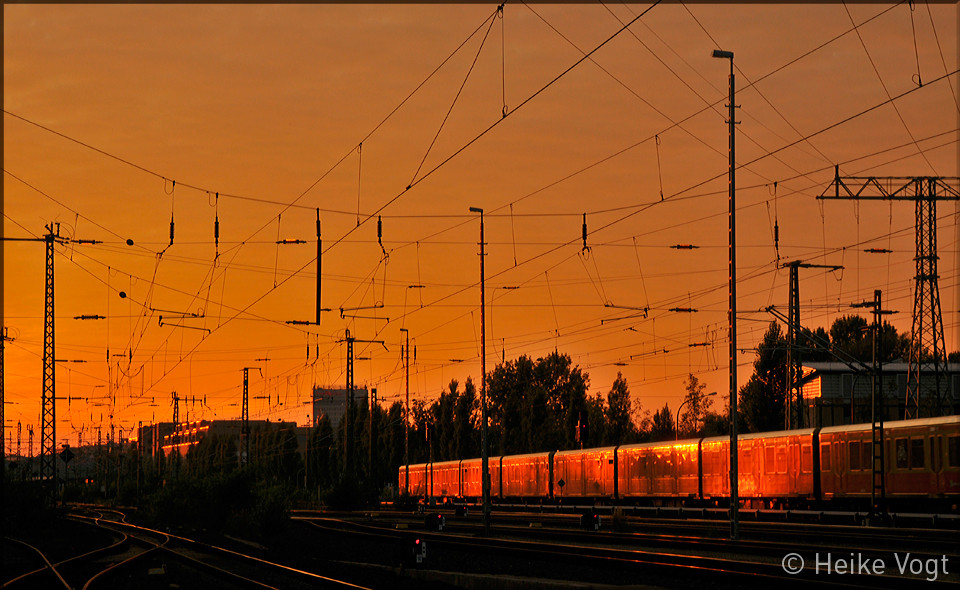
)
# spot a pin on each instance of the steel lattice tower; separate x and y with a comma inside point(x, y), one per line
point(347, 415)
point(245, 416)
point(3, 338)
point(927, 345)
point(48, 432)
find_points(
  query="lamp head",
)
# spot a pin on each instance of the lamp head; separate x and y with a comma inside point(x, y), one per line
point(476, 210)
point(721, 53)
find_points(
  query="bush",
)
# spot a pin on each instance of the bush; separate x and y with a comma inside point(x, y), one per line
point(233, 503)
point(344, 495)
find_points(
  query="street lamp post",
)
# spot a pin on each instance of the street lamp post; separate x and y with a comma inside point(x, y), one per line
point(677, 431)
point(734, 495)
point(485, 478)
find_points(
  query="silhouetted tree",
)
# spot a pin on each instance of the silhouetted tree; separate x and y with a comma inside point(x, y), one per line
point(620, 428)
point(465, 422)
point(761, 399)
point(593, 427)
point(536, 406)
point(661, 426)
point(696, 405)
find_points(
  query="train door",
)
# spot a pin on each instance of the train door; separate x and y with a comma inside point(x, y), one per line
point(838, 468)
point(951, 475)
point(828, 483)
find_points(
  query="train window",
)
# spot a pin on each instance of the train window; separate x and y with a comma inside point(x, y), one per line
point(825, 457)
point(916, 453)
point(902, 453)
point(867, 455)
point(768, 464)
point(806, 459)
point(953, 451)
point(854, 449)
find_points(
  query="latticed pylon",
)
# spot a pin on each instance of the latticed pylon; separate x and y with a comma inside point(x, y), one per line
point(927, 349)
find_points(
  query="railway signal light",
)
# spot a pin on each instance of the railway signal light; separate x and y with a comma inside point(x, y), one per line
point(418, 551)
point(434, 522)
point(590, 521)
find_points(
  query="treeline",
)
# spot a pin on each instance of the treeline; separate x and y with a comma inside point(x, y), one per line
point(534, 405)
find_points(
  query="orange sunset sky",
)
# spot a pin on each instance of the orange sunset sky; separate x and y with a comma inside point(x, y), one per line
point(117, 117)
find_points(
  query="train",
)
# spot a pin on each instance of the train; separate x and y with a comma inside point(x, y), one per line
point(804, 468)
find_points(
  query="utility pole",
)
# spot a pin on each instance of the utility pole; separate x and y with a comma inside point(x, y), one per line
point(3, 452)
point(101, 478)
point(176, 433)
point(245, 414)
point(793, 413)
point(319, 265)
point(878, 487)
point(406, 415)
point(927, 346)
point(372, 398)
point(48, 424)
point(349, 406)
point(347, 416)
point(485, 451)
point(48, 433)
point(139, 454)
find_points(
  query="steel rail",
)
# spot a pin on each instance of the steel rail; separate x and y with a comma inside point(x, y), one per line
point(49, 567)
point(242, 556)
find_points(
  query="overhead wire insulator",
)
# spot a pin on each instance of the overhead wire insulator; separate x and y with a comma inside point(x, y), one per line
point(584, 234)
point(878, 251)
point(684, 247)
point(380, 234)
point(216, 224)
point(173, 187)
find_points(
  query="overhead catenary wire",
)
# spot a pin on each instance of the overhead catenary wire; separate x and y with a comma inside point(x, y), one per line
point(887, 91)
point(417, 243)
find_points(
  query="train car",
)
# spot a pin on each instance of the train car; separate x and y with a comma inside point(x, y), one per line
point(776, 467)
point(527, 476)
point(772, 467)
point(658, 471)
point(445, 480)
point(921, 460)
point(471, 482)
point(418, 479)
point(715, 468)
point(584, 474)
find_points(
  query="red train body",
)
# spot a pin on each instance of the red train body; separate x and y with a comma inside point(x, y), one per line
point(789, 468)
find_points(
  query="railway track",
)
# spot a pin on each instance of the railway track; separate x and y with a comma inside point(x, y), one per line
point(695, 560)
point(146, 558)
point(629, 529)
